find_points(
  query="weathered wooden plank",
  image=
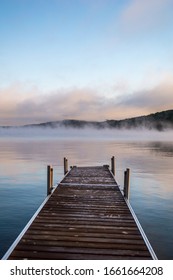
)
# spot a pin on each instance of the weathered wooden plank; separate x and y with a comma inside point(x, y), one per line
point(109, 218)
point(82, 250)
point(112, 230)
point(34, 233)
point(18, 255)
point(31, 239)
point(59, 218)
point(85, 223)
point(53, 245)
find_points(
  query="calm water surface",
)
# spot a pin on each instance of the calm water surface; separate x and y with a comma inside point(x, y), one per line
point(23, 163)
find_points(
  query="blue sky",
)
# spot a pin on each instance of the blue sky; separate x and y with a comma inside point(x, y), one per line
point(84, 59)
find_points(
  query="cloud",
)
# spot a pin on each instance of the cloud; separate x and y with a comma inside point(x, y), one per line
point(20, 105)
point(158, 98)
point(24, 106)
point(11, 97)
point(141, 15)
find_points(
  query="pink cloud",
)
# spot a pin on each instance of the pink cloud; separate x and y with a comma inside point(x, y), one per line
point(20, 105)
point(139, 15)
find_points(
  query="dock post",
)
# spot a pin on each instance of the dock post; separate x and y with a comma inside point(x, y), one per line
point(113, 165)
point(49, 179)
point(126, 183)
point(65, 165)
point(51, 170)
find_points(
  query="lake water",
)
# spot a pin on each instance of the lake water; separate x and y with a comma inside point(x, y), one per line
point(24, 157)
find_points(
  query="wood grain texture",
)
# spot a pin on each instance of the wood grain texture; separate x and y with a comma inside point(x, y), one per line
point(88, 221)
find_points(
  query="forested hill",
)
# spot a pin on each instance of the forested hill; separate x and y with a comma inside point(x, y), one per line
point(159, 121)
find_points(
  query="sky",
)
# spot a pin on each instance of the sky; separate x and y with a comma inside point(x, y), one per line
point(84, 59)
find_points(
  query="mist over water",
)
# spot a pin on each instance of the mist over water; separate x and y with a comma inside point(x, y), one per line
point(88, 133)
point(25, 154)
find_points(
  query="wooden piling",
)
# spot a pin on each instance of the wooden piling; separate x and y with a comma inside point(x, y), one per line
point(65, 165)
point(113, 165)
point(49, 179)
point(126, 183)
point(51, 174)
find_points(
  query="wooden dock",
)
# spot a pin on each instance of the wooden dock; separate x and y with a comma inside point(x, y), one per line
point(86, 217)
